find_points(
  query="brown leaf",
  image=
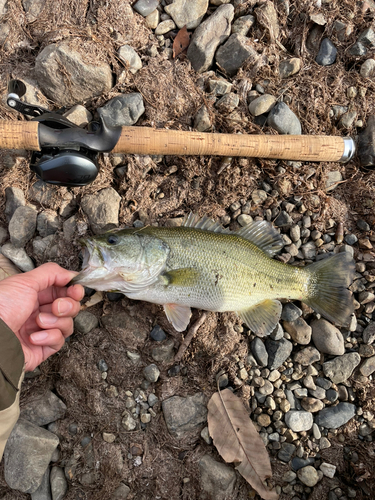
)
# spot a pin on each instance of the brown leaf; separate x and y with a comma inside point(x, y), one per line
point(7, 268)
point(237, 440)
point(181, 42)
point(93, 300)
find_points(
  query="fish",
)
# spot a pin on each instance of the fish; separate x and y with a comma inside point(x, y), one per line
point(206, 266)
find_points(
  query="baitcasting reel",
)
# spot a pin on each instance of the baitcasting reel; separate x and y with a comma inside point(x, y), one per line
point(68, 155)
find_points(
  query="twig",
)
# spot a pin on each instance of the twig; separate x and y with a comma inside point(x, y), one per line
point(189, 337)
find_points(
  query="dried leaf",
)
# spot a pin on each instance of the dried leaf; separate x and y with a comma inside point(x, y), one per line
point(237, 440)
point(93, 300)
point(7, 268)
point(181, 42)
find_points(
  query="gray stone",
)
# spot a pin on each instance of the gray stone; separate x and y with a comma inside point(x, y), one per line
point(351, 239)
point(78, 115)
point(327, 338)
point(59, 485)
point(152, 20)
point(282, 119)
point(44, 490)
point(266, 15)
point(189, 14)
point(366, 143)
point(290, 312)
point(208, 36)
point(283, 219)
point(122, 492)
point(183, 415)
point(27, 455)
point(3, 235)
point(367, 69)
point(202, 120)
point(308, 475)
point(14, 199)
point(165, 27)
point(234, 53)
point(334, 417)
point(347, 120)
point(368, 367)
point(145, 7)
point(307, 356)
point(312, 405)
point(151, 373)
point(227, 103)
point(259, 350)
point(298, 463)
point(123, 110)
point(164, 352)
point(327, 53)
point(299, 421)
point(328, 470)
point(85, 321)
point(22, 226)
point(219, 86)
point(289, 67)
point(128, 422)
point(278, 352)
point(18, 256)
point(242, 25)
point(69, 228)
point(262, 104)
point(341, 368)
point(102, 209)
point(47, 223)
point(85, 80)
point(299, 330)
point(217, 478)
point(130, 57)
point(367, 38)
point(44, 409)
point(308, 250)
point(158, 334)
point(286, 452)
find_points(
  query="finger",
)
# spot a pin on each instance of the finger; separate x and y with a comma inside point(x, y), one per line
point(65, 307)
point(52, 340)
point(76, 292)
point(49, 275)
point(48, 320)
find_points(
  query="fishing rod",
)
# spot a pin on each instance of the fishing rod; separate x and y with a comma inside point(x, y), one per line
point(66, 155)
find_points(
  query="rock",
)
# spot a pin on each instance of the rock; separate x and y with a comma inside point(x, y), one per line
point(130, 57)
point(22, 226)
point(85, 80)
point(258, 196)
point(158, 334)
point(102, 365)
point(298, 463)
point(189, 14)
point(262, 104)
point(312, 405)
point(126, 323)
point(267, 18)
point(18, 256)
point(332, 178)
point(368, 334)
point(44, 409)
point(367, 38)
point(278, 352)
point(328, 470)
point(347, 121)
point(151, 373)
point(286, 452)
point(299, 421)
point(264, 420)
point(219, 86)
point(123, 110)
point(128, 421)
point(259, 350)
point(341, 368)
point(85, 321)
point(14, 199)
point(165, 27)
point(44, 490)
point(244, 219)
point(164, 352)
point(282, 119)
point(368, 367)
point(208, 36)
point(69, 228)
point(78, 115)
point(290, 312)
point(145, 7)
point(202, 120)
point(153, 19)
point(307, 356)
point(122, 492)
point(242, 25)
point(289, 67)
point(227, 103)
point(59, 485)
point(327, 338)
point(327, 53)
point(283, 219)
point(366, 143)
point(334, 417)
point(183, 415)
point(102, 209)
point(299, 330)
point(27, 455)
point(368, 68)
point(234, 53)
point(43, 193)
point(217, 479)
point(47, 223)
point(308, 476)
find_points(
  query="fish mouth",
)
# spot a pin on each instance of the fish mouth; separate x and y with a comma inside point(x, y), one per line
point(92, 261)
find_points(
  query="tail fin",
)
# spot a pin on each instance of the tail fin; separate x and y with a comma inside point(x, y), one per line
point(328, 287)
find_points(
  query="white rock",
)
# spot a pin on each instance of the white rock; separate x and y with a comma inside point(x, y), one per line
point(328, 470)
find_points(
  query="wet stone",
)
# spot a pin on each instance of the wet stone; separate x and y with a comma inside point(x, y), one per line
point(335, 416)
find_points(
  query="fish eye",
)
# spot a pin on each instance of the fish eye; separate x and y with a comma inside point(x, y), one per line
point(112, 239)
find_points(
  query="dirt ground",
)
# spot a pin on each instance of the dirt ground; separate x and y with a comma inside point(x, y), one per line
point(172, 94)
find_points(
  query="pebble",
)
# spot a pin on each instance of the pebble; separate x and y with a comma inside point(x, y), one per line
point(128, 421)
point(299, 330)
point(47, 223)
point(18, 256)
point(327, 53)
point(216, 478)
point(307, 356)
point(44, 409)
point(243, 220)
point(312, 405)
point(22, 226)
point(151, 373)
point(14, 199)
point(347, 120)
point(350, 239)
point(282, 119)
point(242, 25)
point(163, 352)
point(158, 334)
point(183, 415)
point(264, 420)
point(130, 57)
point(283, 219)
point(122, 110)
point(299, 421)
point(145, 7)
point(368, 367)
point(286, 452)
point(290, 312)
point(165, 27)
point(289, 67)
point(341, 368)
point(234, 53)
point(334, 417)
point(298, 462)
point(259, 351)
point(189, 14)
point(327, 338)
point(278, 352)
point(308, 476)
point(219, 86)
point(259, 196)
point(102, 209)
point(59, 485)
point(328, 470)
point(262, 104)
point(202, 120)
point(367, 69)
point(85, 321)
point(122, 492)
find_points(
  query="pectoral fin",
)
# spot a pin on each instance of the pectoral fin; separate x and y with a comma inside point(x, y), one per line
point(178, 315)
point(263, 317)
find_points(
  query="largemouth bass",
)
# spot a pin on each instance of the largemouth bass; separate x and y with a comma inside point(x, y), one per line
point(205, 266)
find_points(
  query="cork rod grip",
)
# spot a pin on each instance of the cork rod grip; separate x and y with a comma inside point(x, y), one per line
point(142, 140)
point(19, 135)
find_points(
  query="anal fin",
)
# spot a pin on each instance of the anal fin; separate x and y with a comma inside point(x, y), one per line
point(178, 315)
point(263, 317)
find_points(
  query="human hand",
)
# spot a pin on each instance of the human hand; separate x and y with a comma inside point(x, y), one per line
point(39, 308)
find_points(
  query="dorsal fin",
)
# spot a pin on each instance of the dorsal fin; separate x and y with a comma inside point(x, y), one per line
point(261, 233)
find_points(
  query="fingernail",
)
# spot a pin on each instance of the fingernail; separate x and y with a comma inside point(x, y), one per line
point(47, 319)
point(64, 306)
point(39, 336)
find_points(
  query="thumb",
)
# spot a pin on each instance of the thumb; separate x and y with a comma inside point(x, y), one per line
point(51, 341)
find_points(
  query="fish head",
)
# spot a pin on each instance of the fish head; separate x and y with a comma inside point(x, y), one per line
point(124, 260)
